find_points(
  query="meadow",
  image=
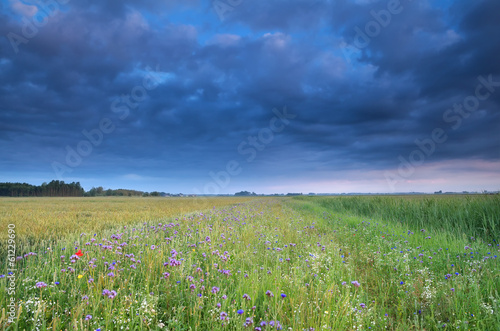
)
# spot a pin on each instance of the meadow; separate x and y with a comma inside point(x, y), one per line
point(45, 220)
point(304, 263)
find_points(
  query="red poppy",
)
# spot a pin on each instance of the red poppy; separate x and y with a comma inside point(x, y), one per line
point(79, 253)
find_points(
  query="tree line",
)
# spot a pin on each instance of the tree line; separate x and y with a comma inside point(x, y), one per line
point(55, 188)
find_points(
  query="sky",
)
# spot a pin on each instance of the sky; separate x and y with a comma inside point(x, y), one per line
point(270, 96)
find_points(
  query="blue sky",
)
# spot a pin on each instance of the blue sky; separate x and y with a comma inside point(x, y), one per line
point(266, 96)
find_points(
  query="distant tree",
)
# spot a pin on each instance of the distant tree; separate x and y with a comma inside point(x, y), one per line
point(244, 194)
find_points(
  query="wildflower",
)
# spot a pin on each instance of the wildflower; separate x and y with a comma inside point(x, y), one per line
point(355, 283)
point(41, 285)
point(401, 282)
point(246, 297)
point(91, 280)
point(215, 289)
point(283, 295)
point(218, 305)
point(362, 305)
point(79, 253)
point(88, 317)
point(223, 315)
point(269, 294)
point(240, 311)
point(80, 276)
point(224, 297)
point(57, 283)
point(453, 289)
point(166, 275)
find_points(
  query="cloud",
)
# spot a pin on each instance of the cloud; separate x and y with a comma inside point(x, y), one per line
point(219, 81)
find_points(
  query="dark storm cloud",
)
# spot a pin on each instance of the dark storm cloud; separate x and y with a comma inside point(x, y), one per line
point(219, 81)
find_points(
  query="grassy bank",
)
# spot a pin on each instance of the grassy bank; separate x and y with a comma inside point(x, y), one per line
point(470, 215)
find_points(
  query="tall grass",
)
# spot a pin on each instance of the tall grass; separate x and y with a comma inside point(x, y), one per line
point(473, 215)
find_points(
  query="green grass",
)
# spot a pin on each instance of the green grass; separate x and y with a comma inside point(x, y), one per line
point(307, 248)
point(470, 215)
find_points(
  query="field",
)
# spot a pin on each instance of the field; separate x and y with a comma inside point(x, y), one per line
point(304, 263)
